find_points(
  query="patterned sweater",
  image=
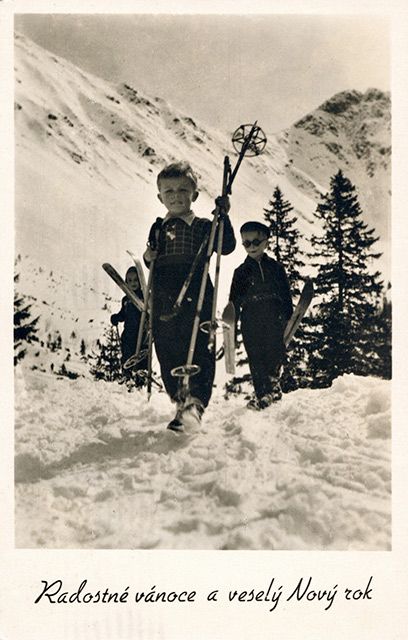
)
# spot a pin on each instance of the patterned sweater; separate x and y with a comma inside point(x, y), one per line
point(178, 242)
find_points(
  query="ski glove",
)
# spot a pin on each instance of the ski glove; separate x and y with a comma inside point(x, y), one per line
point(114, 319)
point(154, 234)
point(223, 203)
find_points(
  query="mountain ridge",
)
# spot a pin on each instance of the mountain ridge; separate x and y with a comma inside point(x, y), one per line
point(87, 155)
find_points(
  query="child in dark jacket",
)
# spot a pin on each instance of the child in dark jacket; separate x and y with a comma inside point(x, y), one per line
point(131, 317)
point(262, 299)
point(174, 242)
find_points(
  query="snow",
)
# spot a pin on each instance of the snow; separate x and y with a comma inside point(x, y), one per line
point(96, 468)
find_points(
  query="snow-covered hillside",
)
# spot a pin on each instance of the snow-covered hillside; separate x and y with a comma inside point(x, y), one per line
point(352, 132)
point(87, 155)
point(95, 467)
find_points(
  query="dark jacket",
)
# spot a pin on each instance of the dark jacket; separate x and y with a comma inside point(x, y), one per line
point(261, 286)
point(131, 316)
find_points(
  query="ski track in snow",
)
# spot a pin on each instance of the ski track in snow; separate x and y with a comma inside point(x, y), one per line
point(96, 468)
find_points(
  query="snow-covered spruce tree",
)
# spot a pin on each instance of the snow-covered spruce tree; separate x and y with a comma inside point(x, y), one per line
point(285, 238)
point(25, 326)
point(106, 364)
point(82, 348)
point(347, 291)
point(381, 360)
point(54, 342)
point(285, 242)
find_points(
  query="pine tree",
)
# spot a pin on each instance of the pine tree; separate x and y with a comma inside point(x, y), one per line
point(25, 326)
point(381, 327)
point(348, 292)
point(106, 364)
point(54, 343)
point(82, 348)
point(285, 238)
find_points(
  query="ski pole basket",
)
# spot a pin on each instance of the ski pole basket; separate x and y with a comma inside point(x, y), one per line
point(185, 371)
point(255, 143)
point(217, 326)
point(135, 359)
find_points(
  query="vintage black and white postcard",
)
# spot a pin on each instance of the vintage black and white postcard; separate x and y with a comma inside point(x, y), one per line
point(204, 246)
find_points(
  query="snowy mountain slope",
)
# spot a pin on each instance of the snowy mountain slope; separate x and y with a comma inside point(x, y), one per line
point(65, 305)
point(95, 468)
point(87, 155)
point(352, 132)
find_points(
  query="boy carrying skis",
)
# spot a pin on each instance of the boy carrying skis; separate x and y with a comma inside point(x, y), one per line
point(173, 244)
point(262, 299)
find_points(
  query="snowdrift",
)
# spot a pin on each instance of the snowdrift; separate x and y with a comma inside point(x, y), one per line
point(96, 468)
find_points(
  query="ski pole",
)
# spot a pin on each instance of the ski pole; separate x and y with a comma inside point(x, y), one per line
point(247, 141)
point(190, 369)
point(150, 332)
point(177, 305)
point(212, 327)
point(118, 339)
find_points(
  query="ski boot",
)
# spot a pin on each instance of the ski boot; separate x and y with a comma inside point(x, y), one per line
point(192, 413)
point(253, 404)
point(266, 401)
point(176, 424)
point(276, 391)
point(130, 385)
point(257, 404)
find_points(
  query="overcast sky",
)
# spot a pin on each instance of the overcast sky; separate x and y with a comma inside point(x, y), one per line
point(225, 70)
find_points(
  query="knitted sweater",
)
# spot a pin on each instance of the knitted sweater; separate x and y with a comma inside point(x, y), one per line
point(178, 242)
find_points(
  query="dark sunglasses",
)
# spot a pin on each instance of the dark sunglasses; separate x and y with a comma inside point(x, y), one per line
point(256, 242)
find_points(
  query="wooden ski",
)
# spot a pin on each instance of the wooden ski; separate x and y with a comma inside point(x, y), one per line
point(116, 277)
point(297, 316)
point(228, 319)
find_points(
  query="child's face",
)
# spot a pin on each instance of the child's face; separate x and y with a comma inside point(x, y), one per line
point(254, 250)
point(177, 195)
point(133, 281)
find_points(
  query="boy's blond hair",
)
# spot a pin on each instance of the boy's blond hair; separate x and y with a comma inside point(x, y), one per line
point(177, 170)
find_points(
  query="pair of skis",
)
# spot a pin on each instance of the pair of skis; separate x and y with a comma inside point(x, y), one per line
point(228, 319)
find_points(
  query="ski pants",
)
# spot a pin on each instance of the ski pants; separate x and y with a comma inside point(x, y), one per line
point(262, 331)
point(172, 342)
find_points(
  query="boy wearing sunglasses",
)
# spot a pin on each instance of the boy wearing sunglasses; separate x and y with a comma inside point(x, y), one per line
point(262, 300)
